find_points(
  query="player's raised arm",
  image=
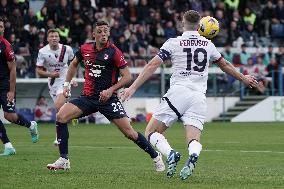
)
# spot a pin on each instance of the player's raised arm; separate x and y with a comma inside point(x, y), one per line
point(147, 72)
point(228, 68)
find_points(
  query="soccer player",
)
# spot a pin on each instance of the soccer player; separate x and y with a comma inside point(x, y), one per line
point(7, 94)
point(185, 100)
point(52, 62)
point(103, 63)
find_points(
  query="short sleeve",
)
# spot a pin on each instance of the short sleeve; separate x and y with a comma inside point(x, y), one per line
point(165, 50)
point(40, 59)
point(78, 55)
point(70, 53)
point(119, 59)
point(9, 53)
point(215, 55)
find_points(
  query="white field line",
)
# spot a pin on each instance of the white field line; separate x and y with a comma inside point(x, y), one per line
point(134, 147)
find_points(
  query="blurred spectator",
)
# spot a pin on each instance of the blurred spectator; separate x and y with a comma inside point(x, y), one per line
point(232, 4)
point(250, 36)
point(42, 17)
point(115, 32)
point(234, 33)
point(30, 17)
point(63, 33)
point(280, 56)
point(64, 13)
point(143, 12)
point(249, 16)
point(244, 56)
point(227, 54)
point(272, 75)
point(130, 12)
point(142, 37)
point(42, 112)
point(123, 45)
point(269, 55)
point(4, 8)
point(250, 69)
point(266, 17)
point(222, 38)
point(169, 30)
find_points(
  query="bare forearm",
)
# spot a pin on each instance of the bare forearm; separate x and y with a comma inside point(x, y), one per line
point(43, 73)
point(71, 72)
point(147, 72)
point(13, 80)
point(122, 82)
point(231, 70)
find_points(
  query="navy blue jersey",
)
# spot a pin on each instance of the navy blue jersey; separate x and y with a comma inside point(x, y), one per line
point(6, 55)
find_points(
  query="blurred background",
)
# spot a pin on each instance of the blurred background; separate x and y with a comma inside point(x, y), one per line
point(251, 38)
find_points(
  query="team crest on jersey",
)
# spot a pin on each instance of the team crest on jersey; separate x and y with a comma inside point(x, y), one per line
point(106, 56)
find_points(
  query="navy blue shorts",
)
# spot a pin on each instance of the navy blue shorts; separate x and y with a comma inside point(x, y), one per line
point(111, 109)
point(7, 106)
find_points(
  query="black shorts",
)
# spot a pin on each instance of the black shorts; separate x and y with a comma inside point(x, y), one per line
point(111, 109)
point(7, 106)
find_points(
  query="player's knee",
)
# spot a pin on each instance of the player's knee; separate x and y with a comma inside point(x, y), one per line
point(60, 117)
point(12, 117)
point(131, 134)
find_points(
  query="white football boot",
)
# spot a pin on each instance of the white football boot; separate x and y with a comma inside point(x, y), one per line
point(61, 163)
point(158, 162)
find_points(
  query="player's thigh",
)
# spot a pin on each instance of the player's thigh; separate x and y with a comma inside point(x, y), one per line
point(124, 126)
point(67, 112)
point(59, 101)
point(196, 112)
point(155, 125)
point(9, 108)
point(112, 109)
point(172, 106)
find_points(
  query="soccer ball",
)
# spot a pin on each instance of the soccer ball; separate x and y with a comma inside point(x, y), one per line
point(208, 27)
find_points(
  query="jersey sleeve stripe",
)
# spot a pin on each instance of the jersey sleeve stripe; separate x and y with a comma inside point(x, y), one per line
point(215, 61)
point(163, 54)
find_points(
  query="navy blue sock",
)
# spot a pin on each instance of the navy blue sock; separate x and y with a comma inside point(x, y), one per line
point(145, 145)
point(23, 121)
point(3, 136)
point(62, 138)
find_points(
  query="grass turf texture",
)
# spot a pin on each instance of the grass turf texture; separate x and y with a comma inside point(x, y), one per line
point(235, 155)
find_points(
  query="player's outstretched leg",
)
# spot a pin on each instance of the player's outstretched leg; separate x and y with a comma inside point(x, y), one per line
point(124, 125)
point(194, 149)
point(142, 142)
point(20, 120)
point(8, 147)
point(160, 142)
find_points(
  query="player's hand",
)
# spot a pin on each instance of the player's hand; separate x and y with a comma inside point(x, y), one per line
point(10, 96)
point(250, 81)
point(66, 92)
point(106, 94)
point(54, 74)
point(127, 94)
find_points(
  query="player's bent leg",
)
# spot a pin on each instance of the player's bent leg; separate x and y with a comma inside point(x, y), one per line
point(154, 131)
point(124, 126)
point(194, 148)
point(22, 121)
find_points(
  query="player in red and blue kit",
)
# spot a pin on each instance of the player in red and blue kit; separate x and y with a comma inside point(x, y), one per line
point(103, 62)
point(7, 94)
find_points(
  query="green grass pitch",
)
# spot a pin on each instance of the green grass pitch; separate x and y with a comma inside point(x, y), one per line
point(235, 155)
